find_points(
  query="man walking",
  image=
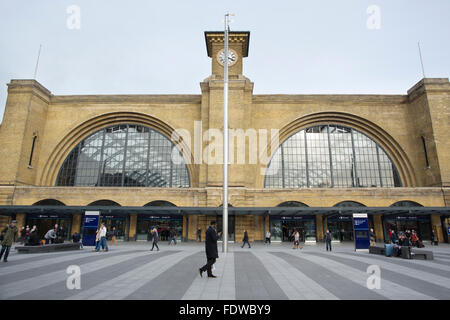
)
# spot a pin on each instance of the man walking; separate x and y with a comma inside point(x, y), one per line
point(9, 234)
point(199, 235)
point(245, 239)
point(328, 239)
point(211, 249)
point(155, 239)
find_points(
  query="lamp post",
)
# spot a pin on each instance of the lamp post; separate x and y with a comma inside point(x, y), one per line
point(225, 140)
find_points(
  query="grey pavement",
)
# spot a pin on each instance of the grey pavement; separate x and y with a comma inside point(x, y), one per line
point(262, 272)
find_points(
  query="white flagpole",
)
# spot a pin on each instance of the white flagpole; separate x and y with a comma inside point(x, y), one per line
point(421, 60)
point(37, 62)
point(225, 141)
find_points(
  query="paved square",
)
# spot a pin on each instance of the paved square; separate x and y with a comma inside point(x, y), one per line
point(266, 272)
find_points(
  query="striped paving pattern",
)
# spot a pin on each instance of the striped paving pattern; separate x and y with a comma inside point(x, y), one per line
point(276, 272)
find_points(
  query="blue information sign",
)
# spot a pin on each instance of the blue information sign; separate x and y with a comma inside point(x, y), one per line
point(361, 231)
point(91, 219)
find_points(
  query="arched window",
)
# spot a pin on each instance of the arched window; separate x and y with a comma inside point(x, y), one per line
point(292, 204)
point(349, 204)
point(331, 155)
point(160, 203)
point(406, 204)
point(125, 155)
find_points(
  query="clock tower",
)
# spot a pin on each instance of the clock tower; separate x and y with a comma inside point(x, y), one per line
point(239, 107)
point(238, 49)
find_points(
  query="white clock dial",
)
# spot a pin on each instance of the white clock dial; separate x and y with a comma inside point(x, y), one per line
point(232, 57)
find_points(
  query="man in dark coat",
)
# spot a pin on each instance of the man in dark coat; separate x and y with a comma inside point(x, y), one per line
point(328, 239)
point(245, 239)
point(9, 237)
point(211, 238)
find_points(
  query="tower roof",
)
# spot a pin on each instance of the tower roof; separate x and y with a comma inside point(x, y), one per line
point(233, 37)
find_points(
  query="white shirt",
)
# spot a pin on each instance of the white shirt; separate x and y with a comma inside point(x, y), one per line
point(103, 232)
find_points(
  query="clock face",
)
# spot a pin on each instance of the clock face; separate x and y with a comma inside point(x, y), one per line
point(232, 57)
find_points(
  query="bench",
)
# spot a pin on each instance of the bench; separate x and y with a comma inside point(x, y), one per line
point(49, 248)
point(426, 254)
point(377, 250)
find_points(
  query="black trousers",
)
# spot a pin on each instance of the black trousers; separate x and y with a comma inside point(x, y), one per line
point(328, 245)
point(268, 240)
point(245, 241)
point(5, 250)
point(155, 244)
point(208, 266)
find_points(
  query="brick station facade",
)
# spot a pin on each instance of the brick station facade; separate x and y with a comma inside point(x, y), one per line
point(44, 142)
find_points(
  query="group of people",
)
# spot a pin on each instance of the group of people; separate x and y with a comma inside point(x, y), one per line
point(409, 236)
point(29, 237)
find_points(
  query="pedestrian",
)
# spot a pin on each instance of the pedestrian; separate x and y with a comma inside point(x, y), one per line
point(22, 235)
point(245, 239)
point(199, 235)
point(50, 236)
point(211, 238)
point(97, 240)
point(394, 237)
point(76, 237)
point(155, 239)
point(9, 236)
point(172, 237)
point(34, 237)
point(297, 240)
point(267, 237)
point(103, 242)
point(328, 239)
point(372, 238)
point(433, 238)
point(113, 236)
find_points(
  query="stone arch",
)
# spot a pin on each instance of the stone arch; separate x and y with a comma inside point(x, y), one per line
point(393, 149)
point(159, 203)
point(76, 135)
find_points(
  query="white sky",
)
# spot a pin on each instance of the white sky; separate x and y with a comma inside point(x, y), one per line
point(158, 47)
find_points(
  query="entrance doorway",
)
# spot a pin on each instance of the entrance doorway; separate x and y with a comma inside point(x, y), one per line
point(282, 228)
point(231, 225)
point(421, 224)
point(341, 228)
point(44, 223)
point(164, 224)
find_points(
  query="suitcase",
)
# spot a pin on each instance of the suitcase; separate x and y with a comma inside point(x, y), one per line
point(406, 253)
point(389, 250)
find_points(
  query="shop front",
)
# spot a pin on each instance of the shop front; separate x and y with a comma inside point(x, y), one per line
point(112, 221)
point(164, 223)
point(341, 228)
point(421, 224)
point(45, 222)
point(282, 228)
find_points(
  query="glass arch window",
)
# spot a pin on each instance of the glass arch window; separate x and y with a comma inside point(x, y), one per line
point(125, 155)
point(326, 156)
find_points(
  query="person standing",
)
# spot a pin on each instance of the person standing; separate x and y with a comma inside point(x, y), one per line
point(328, 239)
point(103, 242)
point(268, 237)
point(372, 238)
point(22, 235)
point(9, 234)
point(113, 236)
point(211, 238)
point(97, 240)
point(155, 239)
point(76, 237)
point(245, 239)
point(34, 237)
point(199, 235)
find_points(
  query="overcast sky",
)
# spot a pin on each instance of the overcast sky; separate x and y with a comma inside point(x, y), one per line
point(158, 47)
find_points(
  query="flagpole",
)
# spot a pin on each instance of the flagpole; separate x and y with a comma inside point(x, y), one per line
point(37, 62)
point(225, 140)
